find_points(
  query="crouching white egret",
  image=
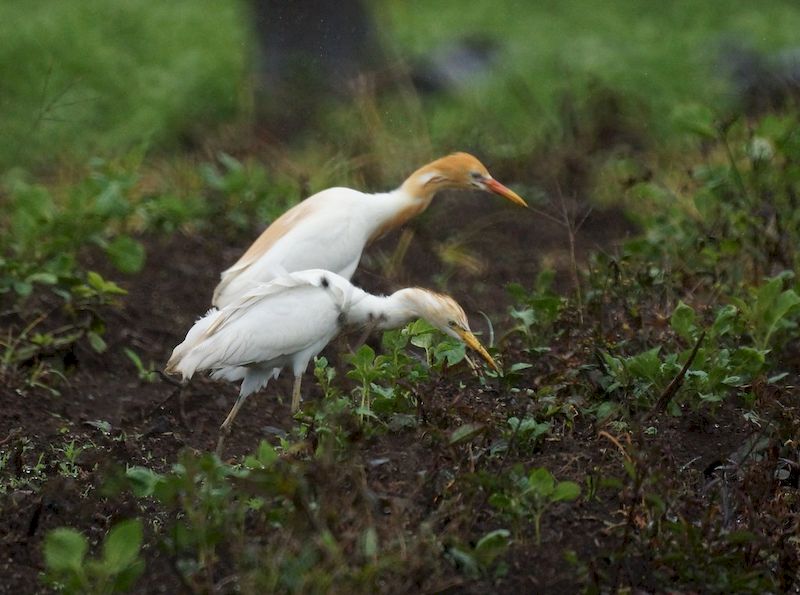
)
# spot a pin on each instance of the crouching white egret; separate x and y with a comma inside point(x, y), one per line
point(330, 229)
point(289, 320)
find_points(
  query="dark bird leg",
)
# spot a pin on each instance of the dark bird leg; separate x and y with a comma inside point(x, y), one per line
point(225, 428)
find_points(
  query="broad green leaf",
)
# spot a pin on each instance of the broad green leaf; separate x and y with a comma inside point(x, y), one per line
point(465, 560)
point(419, 327)
point(466, 432)
point(364, 357)
point(492, 545)
point(96, 282)
point(783, 304)
point(451, 351)
point(768, 293)
point(23, 288)
point(111, 202)
point(541, 482)
point(121, 546)
point(723, 322)
point(501, 502)
point(126, 254)
point(566, 490)
point(749, 361)
point(64, 550)
point(646, 365)
point(96, 341)
point(43, 278)
point(424, 340)
point(266, 454)
point(528, 428)
point(527, 317)
point(605, 410)
point(683, 321)
point(125, 580)
point(100, 424)
point(142, 481)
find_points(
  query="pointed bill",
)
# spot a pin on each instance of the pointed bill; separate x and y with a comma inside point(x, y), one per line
point(473, 343)
point(507, 193)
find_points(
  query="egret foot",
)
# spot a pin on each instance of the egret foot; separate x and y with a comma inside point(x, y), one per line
point(221, 441)
point(225, 428)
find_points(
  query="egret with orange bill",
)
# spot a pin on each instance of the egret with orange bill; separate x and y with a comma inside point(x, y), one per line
point(330, 229)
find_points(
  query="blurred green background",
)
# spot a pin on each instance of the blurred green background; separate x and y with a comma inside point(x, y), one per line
point(88, 77)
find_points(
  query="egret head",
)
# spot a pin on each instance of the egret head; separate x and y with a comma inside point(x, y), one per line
point(448, 316)
point(463, 171)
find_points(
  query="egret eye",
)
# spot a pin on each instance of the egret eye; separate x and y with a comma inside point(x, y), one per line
point(476, 175)
point(452, 323)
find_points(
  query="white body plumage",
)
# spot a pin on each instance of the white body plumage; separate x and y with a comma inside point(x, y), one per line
point(289, 320)
point(330, 229)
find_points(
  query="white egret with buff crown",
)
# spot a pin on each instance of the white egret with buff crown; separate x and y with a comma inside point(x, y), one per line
point(289, 320)
point(330, 229)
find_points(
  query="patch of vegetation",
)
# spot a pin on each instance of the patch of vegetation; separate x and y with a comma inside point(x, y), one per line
point(312, 539)
point(52, 300)
point(115, 571)
point(102, 78)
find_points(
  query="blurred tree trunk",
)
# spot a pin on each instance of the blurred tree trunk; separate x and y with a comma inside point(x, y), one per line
point(309, 53)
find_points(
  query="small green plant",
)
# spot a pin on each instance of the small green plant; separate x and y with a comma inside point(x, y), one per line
point(739, 221)
point(526, 431)
point(440, 351)
point(481, 560)
point(325, 375)
point(536, 312)
point(531, 495)
point(642, 376)
point(28, 474)
point(366, 368)
point(115, 571)
point(68, 459)
point(770, 311)
point(84, 299)
point(201, 488)
point(148, 374)
point(385, 379)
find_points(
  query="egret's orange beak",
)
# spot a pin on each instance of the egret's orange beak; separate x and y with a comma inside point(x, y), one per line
point(507, 193)
point(473, 343)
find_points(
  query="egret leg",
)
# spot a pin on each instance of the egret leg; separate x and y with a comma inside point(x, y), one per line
point(296, 393)
point(225, 428)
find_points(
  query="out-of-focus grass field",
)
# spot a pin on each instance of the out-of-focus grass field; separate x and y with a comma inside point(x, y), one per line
point(81, 78)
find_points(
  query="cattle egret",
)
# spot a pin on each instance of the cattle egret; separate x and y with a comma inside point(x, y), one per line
point(330, 229)
point(289, 320)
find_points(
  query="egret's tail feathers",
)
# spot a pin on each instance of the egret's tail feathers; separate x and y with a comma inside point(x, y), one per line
point(178, 362)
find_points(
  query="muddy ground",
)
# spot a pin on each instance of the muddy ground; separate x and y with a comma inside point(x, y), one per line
point(497, 245)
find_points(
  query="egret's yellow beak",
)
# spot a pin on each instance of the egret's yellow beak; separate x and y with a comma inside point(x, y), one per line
point(506, 193)
point(473, 343)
